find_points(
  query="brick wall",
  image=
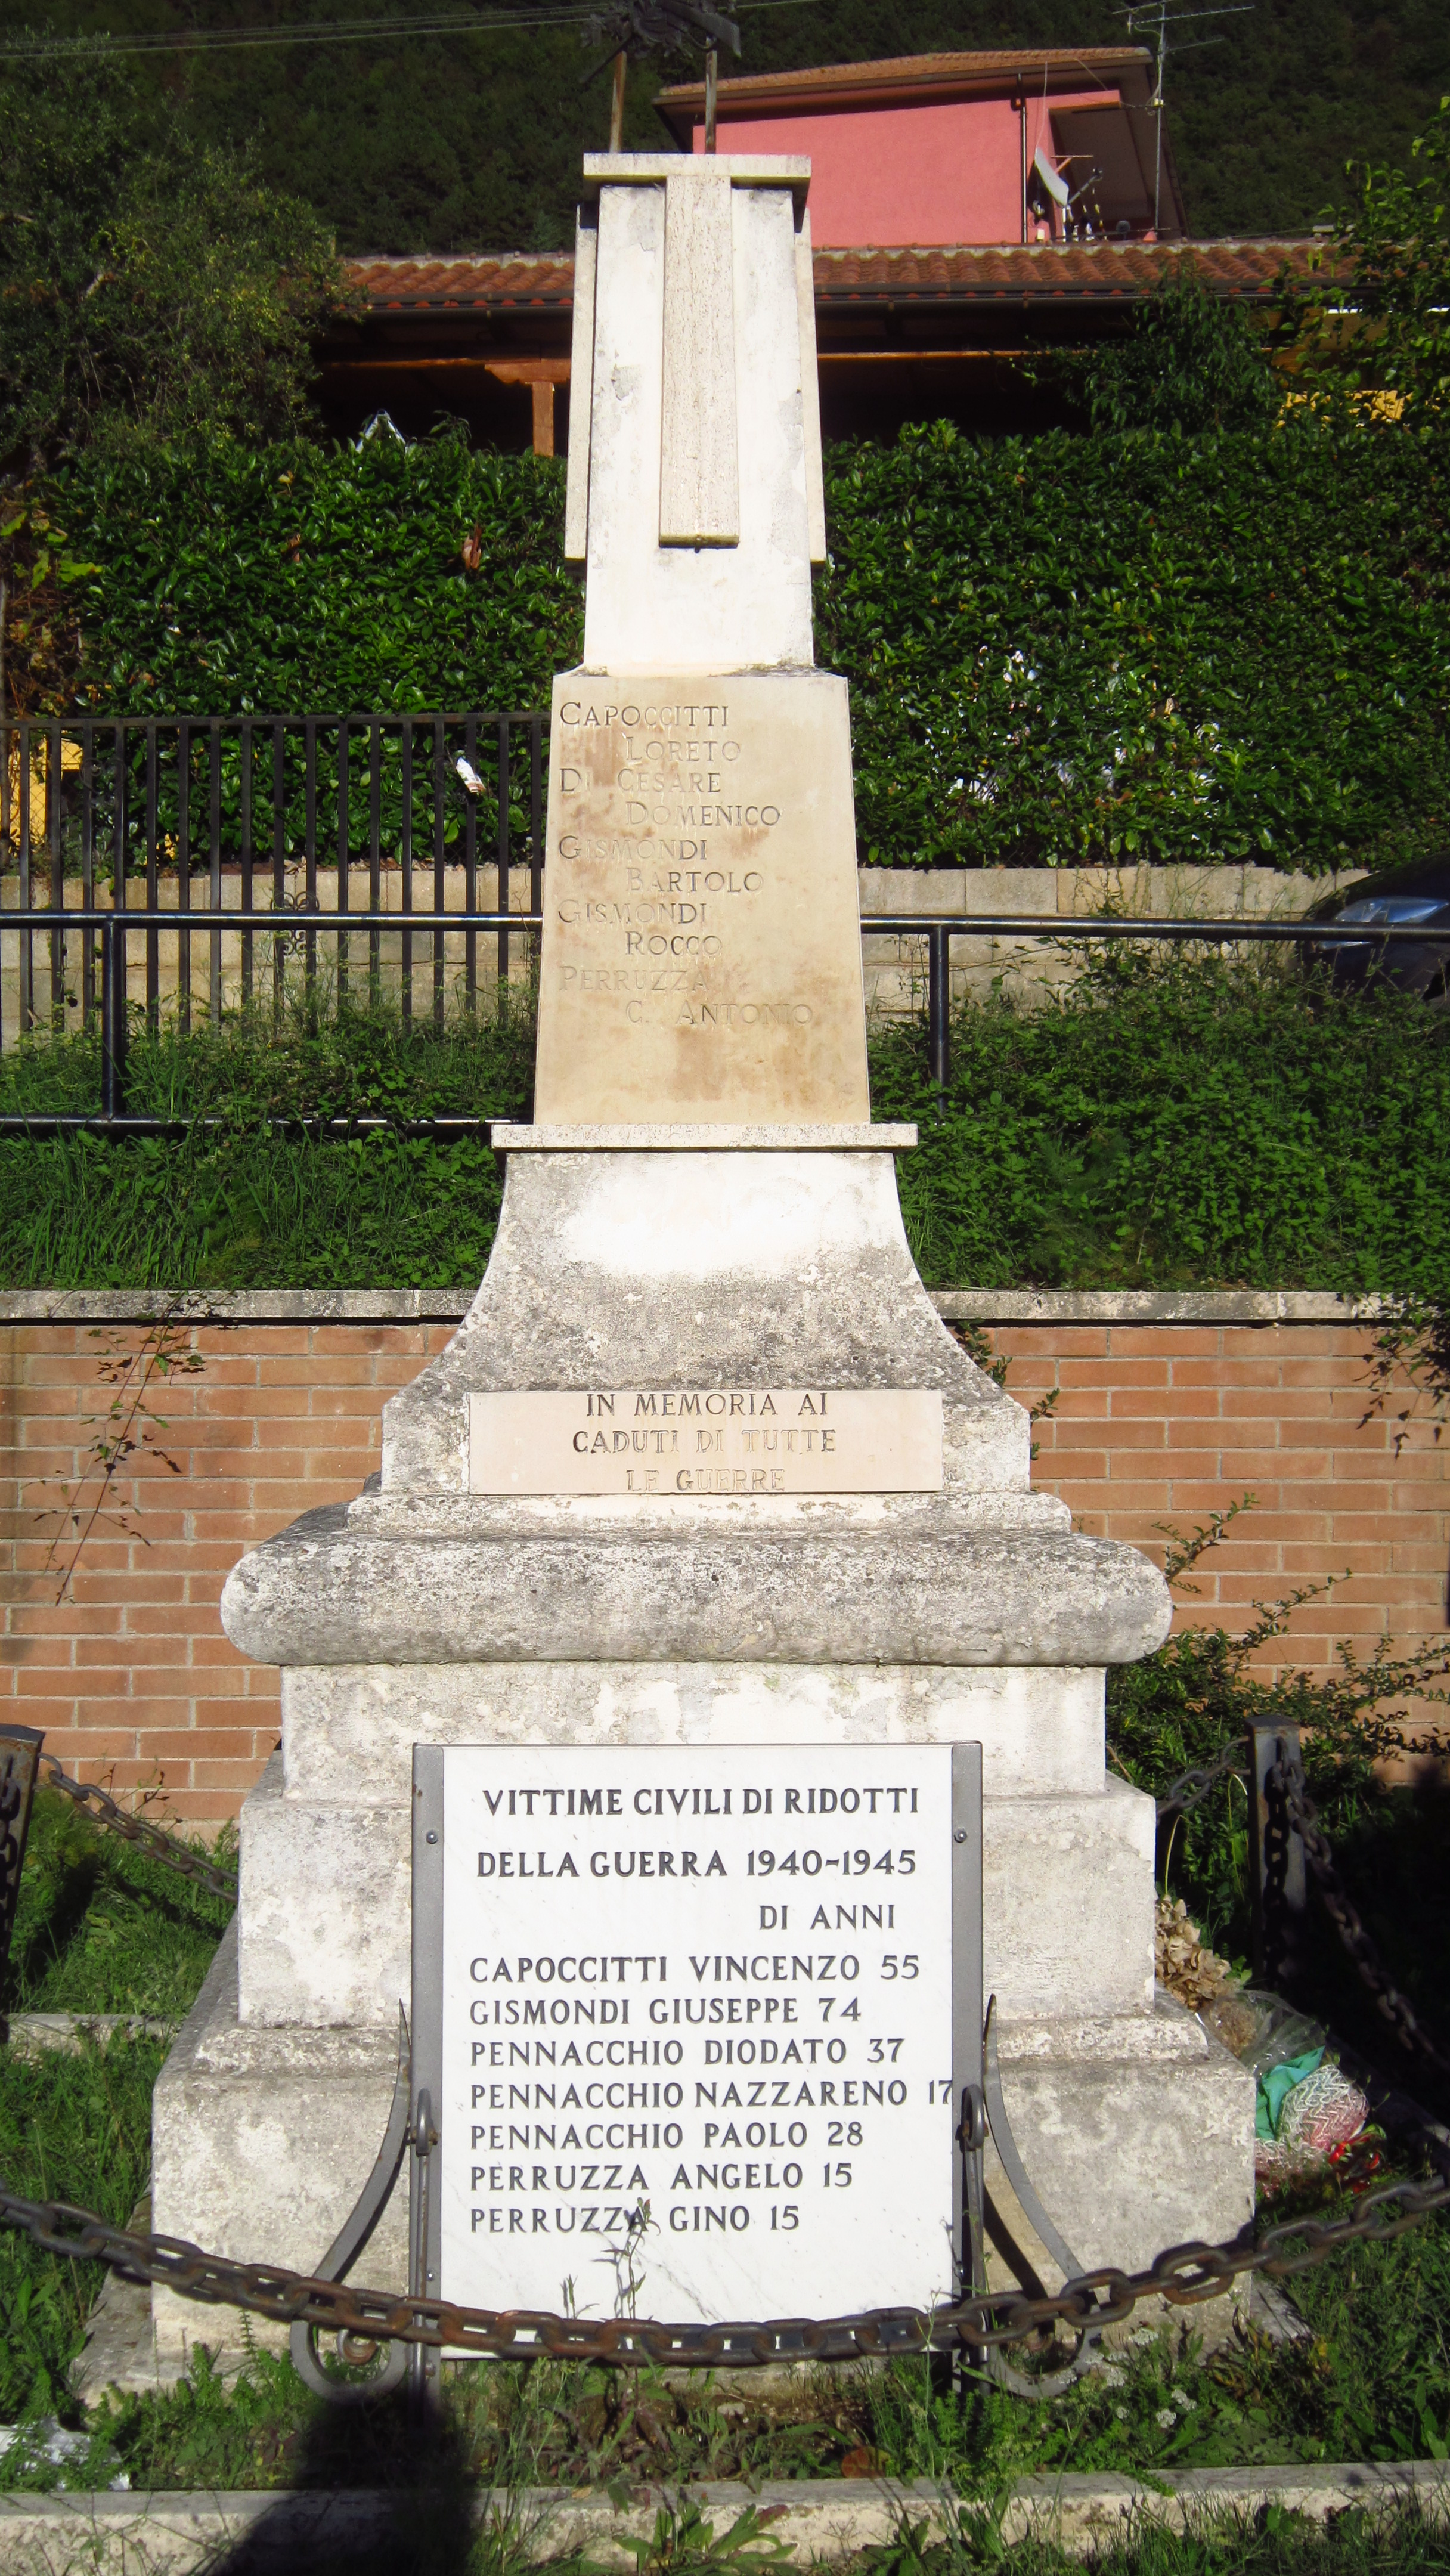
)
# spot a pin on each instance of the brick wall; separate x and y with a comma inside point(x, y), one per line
point(131, 1676)
point(1167, 1409)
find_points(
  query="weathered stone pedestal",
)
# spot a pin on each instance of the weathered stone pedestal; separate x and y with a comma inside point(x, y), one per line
point(425, 1613)
point(700, 972)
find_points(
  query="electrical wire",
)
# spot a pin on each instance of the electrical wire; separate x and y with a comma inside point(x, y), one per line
point(327, 31)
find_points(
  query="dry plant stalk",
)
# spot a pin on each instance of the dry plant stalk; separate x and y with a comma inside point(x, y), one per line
point(129, 1424)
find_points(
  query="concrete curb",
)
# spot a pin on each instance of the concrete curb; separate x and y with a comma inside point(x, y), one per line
point(35, 2034)
point(1152, 1306)
point(824, 2520)
point(449, 1305)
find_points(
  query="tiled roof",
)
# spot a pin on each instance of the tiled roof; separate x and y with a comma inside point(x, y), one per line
point(909, 71)
point(442, 285)
point(1011, 273)
point(1078, 272)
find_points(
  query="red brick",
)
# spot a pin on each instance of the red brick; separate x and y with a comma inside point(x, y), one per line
point(1114, 1372)
point(1169, 1341)
point(238, 1775)
point(1065, 1342)
point(194, 1743)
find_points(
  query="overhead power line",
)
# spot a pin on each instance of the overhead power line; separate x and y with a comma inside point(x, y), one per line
point(330, 31)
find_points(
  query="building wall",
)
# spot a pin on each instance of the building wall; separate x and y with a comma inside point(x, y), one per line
point(1168, 1408)
point(901, 176)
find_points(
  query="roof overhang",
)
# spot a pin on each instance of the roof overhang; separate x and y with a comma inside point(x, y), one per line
point(964, 275)
point(911, 80)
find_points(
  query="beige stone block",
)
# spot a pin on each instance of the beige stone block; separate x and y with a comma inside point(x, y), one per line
point(701, 946)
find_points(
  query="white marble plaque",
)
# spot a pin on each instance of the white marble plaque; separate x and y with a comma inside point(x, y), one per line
point(696, 2024)
point(706, 1440)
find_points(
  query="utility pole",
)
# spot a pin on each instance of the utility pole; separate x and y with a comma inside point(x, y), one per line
point(632, 29)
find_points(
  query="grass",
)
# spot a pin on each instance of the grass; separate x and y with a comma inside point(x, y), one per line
point(101, 1929)
point(1373, 2382)
point(1171, 1121)
point(237, 1204)
point(1180, 1121)
point(1191, 1120)
point(77, 2128)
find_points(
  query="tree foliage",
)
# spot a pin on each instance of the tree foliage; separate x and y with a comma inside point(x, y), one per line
point(1381, 322)
point(151, 285)
point(405, 142)
point(1191, 362)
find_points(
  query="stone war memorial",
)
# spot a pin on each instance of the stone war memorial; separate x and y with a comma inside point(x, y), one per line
point(703, 1560)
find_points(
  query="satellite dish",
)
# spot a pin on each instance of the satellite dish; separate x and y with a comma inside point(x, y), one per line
point(1056, 188)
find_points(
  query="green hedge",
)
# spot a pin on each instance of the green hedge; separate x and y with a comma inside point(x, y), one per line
point(1234, 647)
point(310, 580)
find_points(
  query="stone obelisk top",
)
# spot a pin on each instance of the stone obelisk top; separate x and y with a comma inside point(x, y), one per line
point(701, 958)
point(695, 496)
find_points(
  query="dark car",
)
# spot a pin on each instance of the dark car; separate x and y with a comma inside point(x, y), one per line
point(1402, 897)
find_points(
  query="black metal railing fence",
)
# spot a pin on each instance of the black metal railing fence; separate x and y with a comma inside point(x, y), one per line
point(266, 839)
point(262, 814)
point(111, 930)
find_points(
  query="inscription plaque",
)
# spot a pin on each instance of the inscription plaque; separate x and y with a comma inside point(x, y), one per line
point(701, 949)
point(706, 1440)
point(688, 2028)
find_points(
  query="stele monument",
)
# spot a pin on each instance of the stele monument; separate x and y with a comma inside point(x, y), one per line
point(701, 1468)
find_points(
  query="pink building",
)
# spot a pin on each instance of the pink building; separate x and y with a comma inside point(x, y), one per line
point(957, 148)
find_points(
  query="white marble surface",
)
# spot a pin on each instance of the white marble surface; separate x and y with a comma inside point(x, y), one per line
point(713, 607)
point(704, 2001)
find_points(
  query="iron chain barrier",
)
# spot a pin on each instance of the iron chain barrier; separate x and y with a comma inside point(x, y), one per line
point(1191, 1787)
point(984, 2324)
point(1284, 1781)
point(1393, 2007)
point(1184, 2275)
point(103, 1809)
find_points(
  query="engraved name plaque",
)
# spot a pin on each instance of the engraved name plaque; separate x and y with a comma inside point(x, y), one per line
point(702, 944)
point(706, 1440)
point(685, 2017)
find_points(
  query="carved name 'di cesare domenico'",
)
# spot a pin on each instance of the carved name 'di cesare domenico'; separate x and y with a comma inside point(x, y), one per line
point(665, 822)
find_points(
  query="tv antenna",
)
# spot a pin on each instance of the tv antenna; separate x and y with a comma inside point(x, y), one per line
point(1154, 18)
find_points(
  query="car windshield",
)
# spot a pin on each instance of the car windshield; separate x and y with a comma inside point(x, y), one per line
point(1393, 907)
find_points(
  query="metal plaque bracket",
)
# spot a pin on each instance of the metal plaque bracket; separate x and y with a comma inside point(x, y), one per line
point(344, 2250)
point(981, 2106)
point(412, 2121)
